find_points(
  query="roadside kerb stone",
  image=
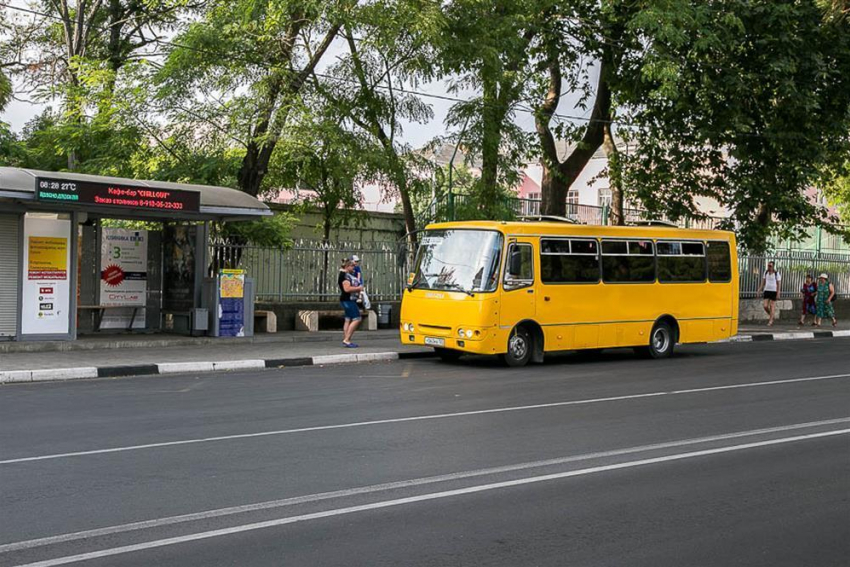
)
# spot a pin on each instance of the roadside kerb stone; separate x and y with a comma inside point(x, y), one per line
point(57, 374)
point(15, 376)
point(334, 359)
point(177, 367)
point(239, 364)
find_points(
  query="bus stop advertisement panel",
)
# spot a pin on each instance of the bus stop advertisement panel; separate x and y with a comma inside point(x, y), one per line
point(47, 277)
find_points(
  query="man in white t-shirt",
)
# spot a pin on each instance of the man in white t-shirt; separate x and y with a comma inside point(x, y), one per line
point(771, 285)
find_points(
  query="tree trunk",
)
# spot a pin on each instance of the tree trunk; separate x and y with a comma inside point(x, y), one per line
point(490, 143)
point(566, 172)
point(407, 211)
point(553, 192)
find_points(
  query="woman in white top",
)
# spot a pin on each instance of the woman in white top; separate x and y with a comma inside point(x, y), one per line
point(771, 285)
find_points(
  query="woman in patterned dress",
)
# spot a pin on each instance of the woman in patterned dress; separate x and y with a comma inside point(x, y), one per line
point(823, 301)
point(808, 293)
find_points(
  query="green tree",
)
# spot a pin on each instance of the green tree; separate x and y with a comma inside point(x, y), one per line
point(389, 47)
point(325, 165)
point(75, 50)
point(742, 102)
point(241, 68)
point(487, 46)
point(5, 90)
point(835, 183)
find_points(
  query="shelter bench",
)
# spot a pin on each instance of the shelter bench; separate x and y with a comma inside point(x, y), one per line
point(265, 321)
point(100, 309)
point(308, 320)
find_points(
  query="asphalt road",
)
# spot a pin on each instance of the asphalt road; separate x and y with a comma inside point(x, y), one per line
point(735, 454)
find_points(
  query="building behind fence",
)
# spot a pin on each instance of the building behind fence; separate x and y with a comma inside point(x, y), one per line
point(308, 271)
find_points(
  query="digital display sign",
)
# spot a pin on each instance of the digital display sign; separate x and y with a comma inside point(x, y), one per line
point(116, 195)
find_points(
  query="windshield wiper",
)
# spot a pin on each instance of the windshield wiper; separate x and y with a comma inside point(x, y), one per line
point(458, 287)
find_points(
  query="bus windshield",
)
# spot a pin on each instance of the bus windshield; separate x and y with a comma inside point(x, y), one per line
point(458, 260)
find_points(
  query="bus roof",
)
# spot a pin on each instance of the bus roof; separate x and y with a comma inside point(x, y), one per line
point(554, 228)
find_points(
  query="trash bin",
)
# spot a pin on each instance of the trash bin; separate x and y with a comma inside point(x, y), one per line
point(385, 318)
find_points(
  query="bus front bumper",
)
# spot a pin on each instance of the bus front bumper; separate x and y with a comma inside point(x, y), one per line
point(486, 344)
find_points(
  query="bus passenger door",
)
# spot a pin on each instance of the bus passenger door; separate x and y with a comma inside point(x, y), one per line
point(518, 283)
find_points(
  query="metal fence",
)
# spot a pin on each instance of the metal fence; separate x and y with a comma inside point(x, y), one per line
point(308, 271)
point(793, 267)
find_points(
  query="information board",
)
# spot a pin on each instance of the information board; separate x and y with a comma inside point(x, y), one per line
point(231, 309)
point(116, 195)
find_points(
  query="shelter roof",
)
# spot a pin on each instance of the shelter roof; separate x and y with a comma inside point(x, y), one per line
point(216, 203)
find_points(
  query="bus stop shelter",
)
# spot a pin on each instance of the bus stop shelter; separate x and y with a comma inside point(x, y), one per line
point(70, 263)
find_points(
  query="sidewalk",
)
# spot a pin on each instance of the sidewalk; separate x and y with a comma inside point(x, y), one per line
point(102, 357)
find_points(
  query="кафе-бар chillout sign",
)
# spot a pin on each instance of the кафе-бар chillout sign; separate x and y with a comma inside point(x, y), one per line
point(115, 195)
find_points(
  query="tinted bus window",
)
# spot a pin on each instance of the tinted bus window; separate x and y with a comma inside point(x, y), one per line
point(631, 261)
point(719, 262)
point(681, 262)
point(569, 261)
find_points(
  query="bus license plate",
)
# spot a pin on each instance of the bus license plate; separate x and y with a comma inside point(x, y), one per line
point(435, 341)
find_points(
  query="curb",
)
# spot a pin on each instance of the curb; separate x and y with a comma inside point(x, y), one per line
point(59, 374)
point(795, 336)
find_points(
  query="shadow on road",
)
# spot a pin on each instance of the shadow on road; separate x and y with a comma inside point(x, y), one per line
point(583, 357)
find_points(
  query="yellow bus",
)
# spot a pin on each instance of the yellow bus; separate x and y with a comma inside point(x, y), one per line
point(522, 289)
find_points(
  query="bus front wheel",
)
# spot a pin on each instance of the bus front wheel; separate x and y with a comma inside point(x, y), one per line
point(662, 340)
point(520, 348)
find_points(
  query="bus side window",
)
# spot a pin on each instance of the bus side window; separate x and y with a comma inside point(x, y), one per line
point(719, 261)
point(520, 267)
point(680, 261)
point(631, 261)
point(570, 261)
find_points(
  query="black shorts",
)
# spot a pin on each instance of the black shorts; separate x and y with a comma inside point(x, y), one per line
point(771, 295)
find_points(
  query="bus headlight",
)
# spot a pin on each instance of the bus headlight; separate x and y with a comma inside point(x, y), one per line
point(408, 327)
point(464, 333)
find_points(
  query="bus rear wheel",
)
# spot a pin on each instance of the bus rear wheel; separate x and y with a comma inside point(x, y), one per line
point(662, 341)
point(520, 348)
point(448, 355)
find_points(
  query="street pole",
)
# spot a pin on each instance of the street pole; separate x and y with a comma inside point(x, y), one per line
point(451, 195)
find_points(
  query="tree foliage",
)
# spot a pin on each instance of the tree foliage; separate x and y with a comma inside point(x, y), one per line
point(741, 102)
point(746, 103)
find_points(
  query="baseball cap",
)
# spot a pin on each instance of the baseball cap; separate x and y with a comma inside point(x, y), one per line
point(355, 258)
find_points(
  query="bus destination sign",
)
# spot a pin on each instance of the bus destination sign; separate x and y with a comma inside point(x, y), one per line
point(115, 195)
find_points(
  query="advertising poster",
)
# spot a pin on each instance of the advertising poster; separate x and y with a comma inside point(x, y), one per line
point(47, 279)
point(123, 276)
point(231, 309)
point(179, 268)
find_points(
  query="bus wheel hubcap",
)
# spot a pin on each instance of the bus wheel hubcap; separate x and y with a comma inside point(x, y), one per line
point(660, 340)
point(518, 346)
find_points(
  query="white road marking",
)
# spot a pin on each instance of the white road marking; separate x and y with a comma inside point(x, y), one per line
point(418, 418)
point(415, 499)
point(271, 504)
